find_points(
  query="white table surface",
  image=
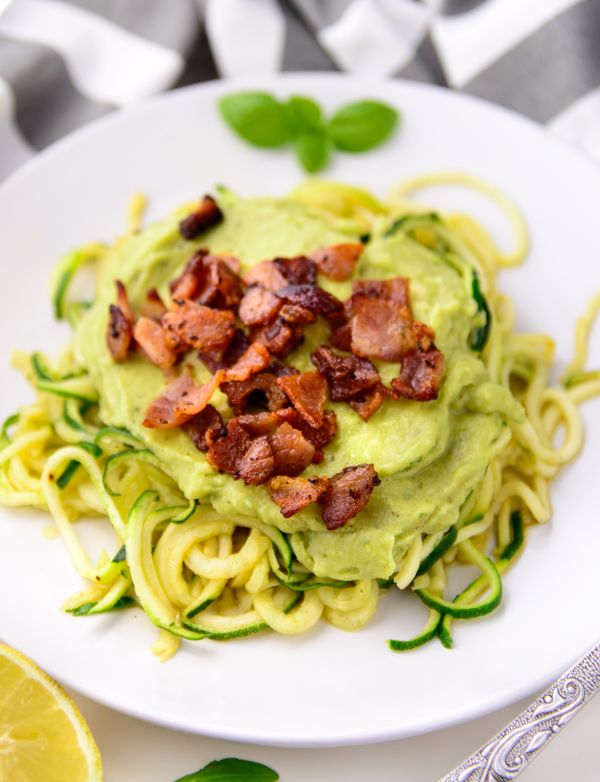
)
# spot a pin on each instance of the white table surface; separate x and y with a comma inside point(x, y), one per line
point(135, 751)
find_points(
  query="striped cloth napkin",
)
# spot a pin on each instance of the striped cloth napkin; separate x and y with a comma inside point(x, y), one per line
point(64, 63)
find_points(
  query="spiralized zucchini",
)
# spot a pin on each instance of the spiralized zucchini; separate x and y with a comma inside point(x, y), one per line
point(201, 575)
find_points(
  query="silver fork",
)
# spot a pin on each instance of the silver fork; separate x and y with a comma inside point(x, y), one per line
point(510, 751)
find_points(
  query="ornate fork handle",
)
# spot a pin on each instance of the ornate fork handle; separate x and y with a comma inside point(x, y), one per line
point(511, 750)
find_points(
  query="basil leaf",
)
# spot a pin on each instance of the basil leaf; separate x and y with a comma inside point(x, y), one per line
point(232, 770)
point(312, 150)
point(304, 113)
point(359, 126)
point(257, 117)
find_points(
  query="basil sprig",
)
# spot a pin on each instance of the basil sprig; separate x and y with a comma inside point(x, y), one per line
point(232, 770)
point(264, 121)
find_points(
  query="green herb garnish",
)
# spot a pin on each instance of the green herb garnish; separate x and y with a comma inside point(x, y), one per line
point(264, 121)
point(232, 770)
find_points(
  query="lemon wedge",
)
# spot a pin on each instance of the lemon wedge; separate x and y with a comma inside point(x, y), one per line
point(43, 735)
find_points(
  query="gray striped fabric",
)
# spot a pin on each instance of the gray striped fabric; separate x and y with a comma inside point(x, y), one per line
point(539, 57)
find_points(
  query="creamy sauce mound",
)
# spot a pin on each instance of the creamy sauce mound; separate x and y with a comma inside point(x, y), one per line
point(430, 456)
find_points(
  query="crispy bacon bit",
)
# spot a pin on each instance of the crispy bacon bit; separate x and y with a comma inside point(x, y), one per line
point(313, 298)
point(162, 412)
point(203, 217)
point(341, 337)
point(297, 271)
point(182, 399)
point(337, 261)
point(291, 450)
point(294, 313)
point(123, 301)
point(266, 274)
point(260, 391)
point(259, 306)
point(225, 452)
point(381, 329)
point(420, 375)
point(395, 289)
point(320, 437)
point(209, 280)
point(154, 307)
point(223, 288)
point(191, 280)
point(257, 464)
point(258, 424)
point(254, 360)
point(347, 375)
point(231, 261)
point(424, 335)
point(308, 394)
point(221, 359)
point(293, 494)
point(198, 427)
point(347, 494)
point(196, 399)
point(118, 334)
point(199, 326)
point(151, 337)
point(281, 370)
point(279, 338)
point(368, 403)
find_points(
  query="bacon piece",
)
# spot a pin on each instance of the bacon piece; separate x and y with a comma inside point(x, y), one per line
point(259, 306)
point(257, 464)
point(424, 335)
point(223, 287)
point(381, 329)
point(281, 370)
point(338, 261)
point(320, 437)
point(294, 313)
point(266, 274)
point(297, 271)
point(395, 289)
point(191, 280)
point(154, 307)
point(162, 412)
point(420, 375)
point(199, 326)
point(123, 301)
point(151, 337)
point(291, 450)
point(209, 280)
point(257, 424)
point(308, 394)
point(261, 390)
point(225, 452)
point(254, 360)
point(347, 375)
point(341, 337)
point(119, 333)
point(313, 298)
point(231, 261)
point(182, 399)
point(279, 337)
point(367, 403)
point(198, 427)
point(203, 217)
point(347, 494)
point(293, 494)
point(221, 359)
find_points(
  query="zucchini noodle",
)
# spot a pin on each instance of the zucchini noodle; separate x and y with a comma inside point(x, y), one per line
point(199, 574)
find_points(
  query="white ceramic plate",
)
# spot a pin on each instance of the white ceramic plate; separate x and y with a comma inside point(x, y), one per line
point(328, 687)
